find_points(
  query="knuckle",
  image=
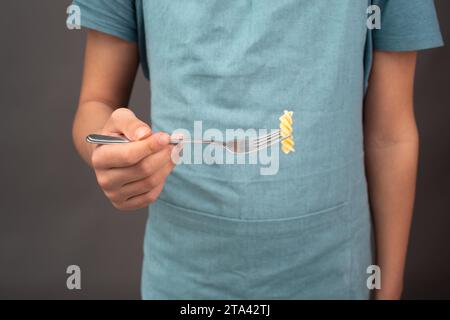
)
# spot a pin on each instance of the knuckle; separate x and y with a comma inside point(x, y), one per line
point(118, 205)
point(121, 112)
point(145, 167)
point(153, 182)
point(96, 159)
point(151, 198)
point(113, 195)
point(127, 157)
point(103, 181)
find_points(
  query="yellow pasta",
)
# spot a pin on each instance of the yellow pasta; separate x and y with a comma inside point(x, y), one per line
point(287, 144)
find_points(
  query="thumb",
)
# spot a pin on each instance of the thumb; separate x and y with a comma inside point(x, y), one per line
point(124, 121)
point(156, 142)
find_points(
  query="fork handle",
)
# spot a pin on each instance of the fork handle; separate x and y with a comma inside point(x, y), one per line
point(103, 139)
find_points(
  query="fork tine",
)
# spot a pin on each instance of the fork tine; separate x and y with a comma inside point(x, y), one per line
point(266, 137)
point(271, 143)
point(268, 143)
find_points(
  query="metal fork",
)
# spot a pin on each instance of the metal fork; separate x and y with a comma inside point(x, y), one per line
point(237, 146)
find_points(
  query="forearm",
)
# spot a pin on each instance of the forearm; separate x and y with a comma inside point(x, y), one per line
point(391, 171)
point(109, 72)
point(90, 118)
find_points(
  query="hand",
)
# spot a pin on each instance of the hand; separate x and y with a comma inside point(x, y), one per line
point(132, 175)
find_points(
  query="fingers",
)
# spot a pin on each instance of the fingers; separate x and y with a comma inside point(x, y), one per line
point(143, 186)
point(128, 154)
point(140, 201)
point(148, 178)
point(123, 121)
point(112, 179)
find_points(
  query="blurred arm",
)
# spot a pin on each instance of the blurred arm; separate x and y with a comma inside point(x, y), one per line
point(109, 72)
point(391, 148)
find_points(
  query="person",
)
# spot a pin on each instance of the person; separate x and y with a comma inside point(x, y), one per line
point(226, 231)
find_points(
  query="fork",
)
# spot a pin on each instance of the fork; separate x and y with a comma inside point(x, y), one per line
point(237, 146)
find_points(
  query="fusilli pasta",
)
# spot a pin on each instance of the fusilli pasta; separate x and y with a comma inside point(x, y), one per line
point(287, 144)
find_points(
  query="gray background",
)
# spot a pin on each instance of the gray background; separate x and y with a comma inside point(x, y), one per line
point(54, 215)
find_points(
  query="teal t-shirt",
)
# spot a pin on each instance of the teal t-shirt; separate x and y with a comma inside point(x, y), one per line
point(239, 64)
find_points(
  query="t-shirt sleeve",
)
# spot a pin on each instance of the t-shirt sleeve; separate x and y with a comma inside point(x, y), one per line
point(407, 25)
point(114, 17)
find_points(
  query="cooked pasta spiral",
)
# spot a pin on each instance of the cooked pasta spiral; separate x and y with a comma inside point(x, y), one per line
point(287, 144)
